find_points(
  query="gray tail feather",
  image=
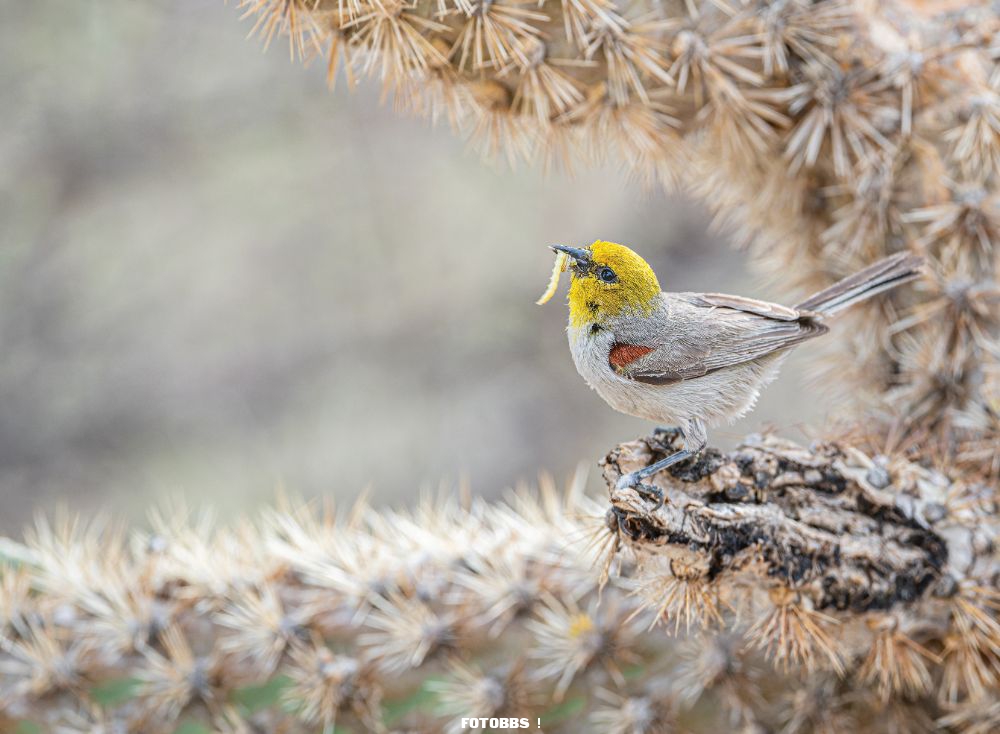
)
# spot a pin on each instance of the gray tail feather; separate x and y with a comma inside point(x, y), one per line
point(864, 284)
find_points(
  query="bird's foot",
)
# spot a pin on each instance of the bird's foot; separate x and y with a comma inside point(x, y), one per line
point(652, 493)
point(633, 480)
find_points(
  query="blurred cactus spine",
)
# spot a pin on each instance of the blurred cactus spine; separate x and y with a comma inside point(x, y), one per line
point(850, 585)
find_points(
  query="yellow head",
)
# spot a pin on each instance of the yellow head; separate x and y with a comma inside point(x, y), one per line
point(608, 280)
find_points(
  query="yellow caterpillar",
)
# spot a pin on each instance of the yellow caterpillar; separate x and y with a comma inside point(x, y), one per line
point(562, 263)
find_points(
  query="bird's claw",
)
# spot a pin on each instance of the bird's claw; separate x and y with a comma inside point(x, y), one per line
point(647, 491)
point(652, 493)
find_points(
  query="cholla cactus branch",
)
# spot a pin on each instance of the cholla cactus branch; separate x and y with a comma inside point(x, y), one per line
point(873, 576)
point(849, 533)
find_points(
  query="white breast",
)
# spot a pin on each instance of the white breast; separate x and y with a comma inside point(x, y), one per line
point(721, 396)
point(590, 355)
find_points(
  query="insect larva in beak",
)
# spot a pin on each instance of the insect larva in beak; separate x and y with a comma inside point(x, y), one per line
point(562, 263)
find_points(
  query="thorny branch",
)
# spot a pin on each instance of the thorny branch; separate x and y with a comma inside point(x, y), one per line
point(824, 584)
point(852, 533)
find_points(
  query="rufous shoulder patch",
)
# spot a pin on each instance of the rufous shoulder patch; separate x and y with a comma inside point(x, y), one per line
point(622, 355)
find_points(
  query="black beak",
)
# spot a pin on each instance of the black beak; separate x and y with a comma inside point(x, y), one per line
point(581, 258)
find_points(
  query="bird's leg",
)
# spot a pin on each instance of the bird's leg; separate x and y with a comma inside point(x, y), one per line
point(633, 479)
point(695, 439)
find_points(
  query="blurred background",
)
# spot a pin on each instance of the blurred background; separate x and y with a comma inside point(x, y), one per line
point(217, 278)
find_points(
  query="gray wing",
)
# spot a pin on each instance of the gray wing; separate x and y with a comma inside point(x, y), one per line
point(699, 333)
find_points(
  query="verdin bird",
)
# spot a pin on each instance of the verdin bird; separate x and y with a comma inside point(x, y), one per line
point(690, 360)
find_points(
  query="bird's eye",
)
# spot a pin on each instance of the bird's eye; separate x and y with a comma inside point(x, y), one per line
point(607, 275)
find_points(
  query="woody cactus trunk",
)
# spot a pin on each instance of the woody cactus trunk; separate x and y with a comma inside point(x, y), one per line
point(846, 585)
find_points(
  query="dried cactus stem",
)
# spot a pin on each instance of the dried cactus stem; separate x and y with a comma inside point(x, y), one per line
point(773, 513)
point(875, 578)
